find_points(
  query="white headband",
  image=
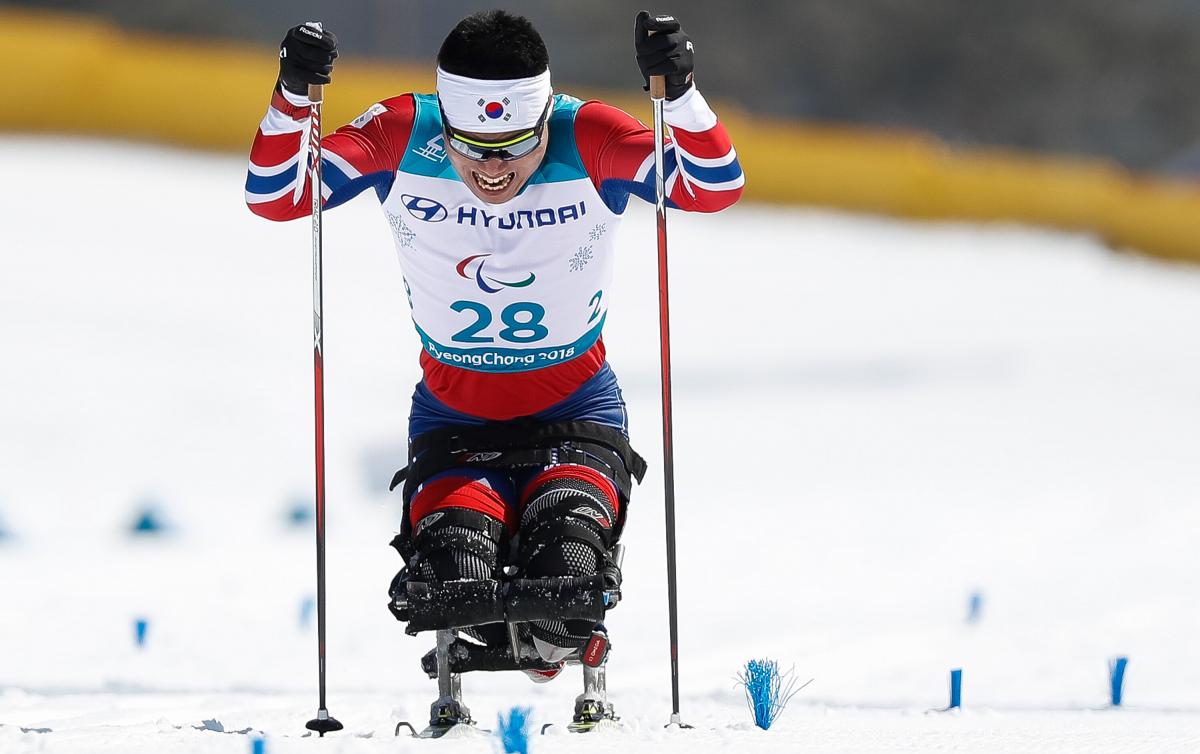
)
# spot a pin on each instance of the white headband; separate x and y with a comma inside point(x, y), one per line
point(492, 107)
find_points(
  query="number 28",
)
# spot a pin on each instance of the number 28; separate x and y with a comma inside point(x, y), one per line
point(523, 321)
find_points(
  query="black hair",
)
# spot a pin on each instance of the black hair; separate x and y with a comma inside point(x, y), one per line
point(494, 44)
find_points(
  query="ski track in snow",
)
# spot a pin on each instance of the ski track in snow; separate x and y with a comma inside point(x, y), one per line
point(874, 418)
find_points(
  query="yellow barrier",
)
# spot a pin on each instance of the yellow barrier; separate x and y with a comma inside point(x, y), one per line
point(79, 75)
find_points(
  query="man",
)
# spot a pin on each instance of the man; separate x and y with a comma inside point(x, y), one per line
point(504, 199)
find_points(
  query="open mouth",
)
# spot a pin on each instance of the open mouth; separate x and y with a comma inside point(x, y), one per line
point(493, 185)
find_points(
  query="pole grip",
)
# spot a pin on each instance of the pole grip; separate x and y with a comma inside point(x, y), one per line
point(316, 92)
point(658, 87)
point(658, 84)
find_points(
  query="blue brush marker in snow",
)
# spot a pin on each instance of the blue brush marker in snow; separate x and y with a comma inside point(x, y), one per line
point(767, 690)
point(139, 631)
point(1116, 677)
point(955, 689)
point(975, 607)
point(307, 606)
point(258, 746)
point(514, 732)
point(149, 521)
point(300, 513)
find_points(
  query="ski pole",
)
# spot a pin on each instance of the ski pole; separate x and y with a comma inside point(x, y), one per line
point(658, 93)
point(323, 723)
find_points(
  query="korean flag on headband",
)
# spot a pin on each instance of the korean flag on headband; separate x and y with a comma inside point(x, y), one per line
point(504, 109)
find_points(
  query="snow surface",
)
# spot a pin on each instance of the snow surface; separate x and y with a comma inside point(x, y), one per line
point(874, 419)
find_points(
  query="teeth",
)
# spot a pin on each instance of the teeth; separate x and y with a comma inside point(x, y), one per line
point(493, 184)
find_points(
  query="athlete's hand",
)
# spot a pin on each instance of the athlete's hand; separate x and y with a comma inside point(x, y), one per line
point(666, 52)
point(306, 57)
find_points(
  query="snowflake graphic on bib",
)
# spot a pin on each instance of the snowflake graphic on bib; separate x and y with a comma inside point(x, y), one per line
point(581, 258)
point(404, 234)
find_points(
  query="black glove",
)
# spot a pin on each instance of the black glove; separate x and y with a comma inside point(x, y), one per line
point(666, 52)
point(306, 57)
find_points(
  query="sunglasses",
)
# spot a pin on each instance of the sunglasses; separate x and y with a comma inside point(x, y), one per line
point(510, 149)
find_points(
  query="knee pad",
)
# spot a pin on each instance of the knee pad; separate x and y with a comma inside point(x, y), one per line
point(568, 524)
point(460, 528)
point(568, 520)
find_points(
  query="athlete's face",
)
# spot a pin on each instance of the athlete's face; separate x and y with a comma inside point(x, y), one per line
point(494, 180)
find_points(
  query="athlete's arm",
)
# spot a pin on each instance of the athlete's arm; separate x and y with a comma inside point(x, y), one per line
point(357, 156)
point(701, 166)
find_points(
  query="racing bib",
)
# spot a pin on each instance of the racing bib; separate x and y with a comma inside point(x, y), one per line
point(502, 287)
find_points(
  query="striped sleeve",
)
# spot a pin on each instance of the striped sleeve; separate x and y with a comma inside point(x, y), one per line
point(702, 172)
point(357, 156)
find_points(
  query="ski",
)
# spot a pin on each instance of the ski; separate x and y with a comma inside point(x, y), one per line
point(456, 730)
point(448, 716)
point(593, 711)
point(609, 724)
point(591, 724)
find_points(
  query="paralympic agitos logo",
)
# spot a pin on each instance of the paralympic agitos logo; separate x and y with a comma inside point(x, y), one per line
point(483, 279)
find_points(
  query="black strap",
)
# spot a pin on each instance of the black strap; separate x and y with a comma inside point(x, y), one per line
point(520, 443)
point(557, 530)
point(473, 445)
point(517, 433)
point(604, 459)
point(447, 532)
